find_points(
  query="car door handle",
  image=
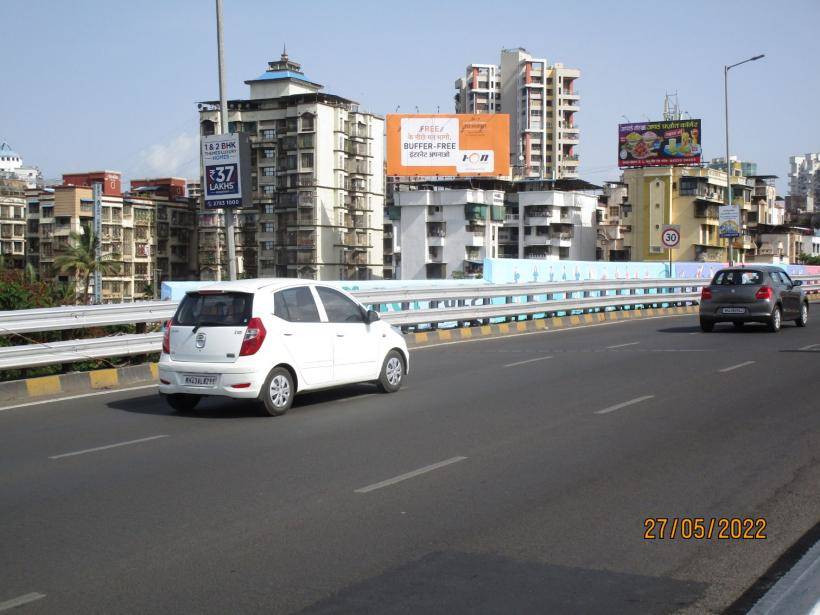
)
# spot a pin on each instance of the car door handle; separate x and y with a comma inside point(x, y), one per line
point(287, 334)
point(340, 335)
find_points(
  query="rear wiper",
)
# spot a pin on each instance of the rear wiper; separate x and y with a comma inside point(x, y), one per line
point(206, 323)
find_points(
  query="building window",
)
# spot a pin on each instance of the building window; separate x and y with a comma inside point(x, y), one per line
point(307, 160)
point(268, 153)
point(307, 122)
point(269, 133)
point(268, 171)
point(268, 227)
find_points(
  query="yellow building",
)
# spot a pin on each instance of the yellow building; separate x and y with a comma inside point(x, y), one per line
point(689, 197)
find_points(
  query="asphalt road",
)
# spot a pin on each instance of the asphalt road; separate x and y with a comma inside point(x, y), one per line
point(511, 475)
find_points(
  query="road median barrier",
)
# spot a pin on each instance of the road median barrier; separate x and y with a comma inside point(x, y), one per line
point(77, 383)
point(432, 337)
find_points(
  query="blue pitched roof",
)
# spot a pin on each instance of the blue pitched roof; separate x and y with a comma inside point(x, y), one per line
point(282, 74)
point(5, 150)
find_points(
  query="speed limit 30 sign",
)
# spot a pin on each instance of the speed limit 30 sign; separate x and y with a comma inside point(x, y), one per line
point(670, 235)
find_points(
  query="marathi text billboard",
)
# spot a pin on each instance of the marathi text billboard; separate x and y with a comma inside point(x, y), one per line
point(226, 170)
point(659, 143)
point(448, 145)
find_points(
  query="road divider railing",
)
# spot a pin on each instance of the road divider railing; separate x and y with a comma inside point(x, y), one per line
point(412, 309)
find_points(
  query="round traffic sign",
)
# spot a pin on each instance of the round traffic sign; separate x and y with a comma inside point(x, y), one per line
point(670, 237)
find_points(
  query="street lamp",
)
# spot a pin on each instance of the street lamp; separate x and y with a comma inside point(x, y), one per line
point(726, 109)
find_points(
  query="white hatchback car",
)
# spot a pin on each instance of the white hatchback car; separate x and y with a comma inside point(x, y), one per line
point(269, 339)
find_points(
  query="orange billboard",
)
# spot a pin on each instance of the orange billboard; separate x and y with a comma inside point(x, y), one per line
point(463, 145)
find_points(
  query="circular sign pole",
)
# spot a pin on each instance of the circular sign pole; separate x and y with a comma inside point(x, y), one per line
point(670, 238)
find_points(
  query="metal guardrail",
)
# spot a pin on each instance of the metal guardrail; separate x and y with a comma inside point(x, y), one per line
point(462, 304)
point(84, 316)
point(32, 355)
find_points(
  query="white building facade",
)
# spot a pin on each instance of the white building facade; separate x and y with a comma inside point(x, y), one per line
point(550, 225)
point(443, 233)
point(804, 176)
point(11, 166)
point(318, 182)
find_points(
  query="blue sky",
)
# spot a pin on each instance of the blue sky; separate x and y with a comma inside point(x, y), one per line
point(91, 84)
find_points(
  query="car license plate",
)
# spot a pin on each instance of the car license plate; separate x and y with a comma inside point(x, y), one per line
point(199, 380)
point(734, 310)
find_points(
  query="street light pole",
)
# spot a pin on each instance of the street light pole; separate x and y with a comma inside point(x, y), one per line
point(726, 111)
point(223, 129)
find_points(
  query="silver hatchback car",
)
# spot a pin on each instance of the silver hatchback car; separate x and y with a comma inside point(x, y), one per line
point(759, 293)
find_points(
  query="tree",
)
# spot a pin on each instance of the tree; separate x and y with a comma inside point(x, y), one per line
point(80, 260)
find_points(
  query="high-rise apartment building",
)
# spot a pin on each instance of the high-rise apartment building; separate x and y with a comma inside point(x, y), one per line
point(479, 91)
point(541, 100)
point(12, 221)
point(804, 177)
point(318, 182)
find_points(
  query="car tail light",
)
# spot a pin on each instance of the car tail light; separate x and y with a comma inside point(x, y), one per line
point(705, 293)
point(166, 339)
point(764, 292)
point(254, 336)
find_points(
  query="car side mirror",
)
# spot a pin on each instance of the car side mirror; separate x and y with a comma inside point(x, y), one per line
point(371, 316)
point(797, 282)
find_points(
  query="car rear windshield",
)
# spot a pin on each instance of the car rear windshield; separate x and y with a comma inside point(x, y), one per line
point(214, 309)
point(738, 277)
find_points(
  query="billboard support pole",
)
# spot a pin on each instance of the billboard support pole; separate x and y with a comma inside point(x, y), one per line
point(223, 129)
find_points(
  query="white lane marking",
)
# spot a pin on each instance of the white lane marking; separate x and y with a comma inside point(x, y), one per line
point(624, 404)
point(572, 328)
point(20, 600)
point(527, 361)
point(102, 448)
point(51, 401)
point(733, 367)
point(413, 474)
point(816, 609)
point(622, 345)
point(809, 347)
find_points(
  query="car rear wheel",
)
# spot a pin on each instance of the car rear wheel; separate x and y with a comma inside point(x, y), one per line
point(738, 324)
point(392, 373)
point(804, 315)
point(706, 325)
point(775, 320)
point(277, 392)
point(183, 402)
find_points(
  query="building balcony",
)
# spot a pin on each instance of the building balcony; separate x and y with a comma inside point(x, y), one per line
point(542, 218)
point(704, 211)
point(476, 240)
point(537, 240)
point(435, 240)
point(563, 240)
point(306, 258)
